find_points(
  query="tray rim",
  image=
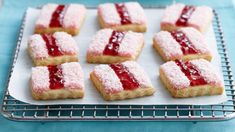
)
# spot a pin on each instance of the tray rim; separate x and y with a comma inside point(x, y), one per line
point(15, 57)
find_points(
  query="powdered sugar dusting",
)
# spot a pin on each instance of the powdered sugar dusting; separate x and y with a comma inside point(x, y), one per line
point(201, 17)
point(197, 39)
point(130, 44)
point(175, 76)
point(73, 75)
point(74, 16)
point(38, 47)
point(208, 72)
point(99, 41)
point(40, 79)
point(169, 46)
point(66, 43)
point(44, 19)
point(139, 74)
point(172, 14)
point(136, 13)
point(109, 79)
point(109, 14)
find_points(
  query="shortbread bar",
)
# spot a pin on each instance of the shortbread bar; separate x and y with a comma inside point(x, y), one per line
point(180, 15)
point(184, 43)
point(52, 49)
point(57, 82)
point(191, 78)
point(122, 16)
point(109, 46)
point(121, 81)
point(54, 18)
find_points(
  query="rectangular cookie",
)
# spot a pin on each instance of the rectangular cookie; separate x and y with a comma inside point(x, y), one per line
point(52, 49)
point(185, 44)
point(109, 46)
point(122, 16)
point(191, 78)
point(179, 15)
point(57, 82)
point(53, 18)
point(121, 81)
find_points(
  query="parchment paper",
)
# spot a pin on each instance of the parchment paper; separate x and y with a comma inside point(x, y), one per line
point(148, 59)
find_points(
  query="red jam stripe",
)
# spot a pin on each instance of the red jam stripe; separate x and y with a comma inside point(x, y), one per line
point(185, 15)
point(114, 42)
point(191, 73)
point(57, 17)
point(52, 48)
point(123, 13)
point(127, 79)
point(56, 77)
point(185, 43)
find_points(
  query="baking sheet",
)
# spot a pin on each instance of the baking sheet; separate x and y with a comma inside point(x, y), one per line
point(148, 59)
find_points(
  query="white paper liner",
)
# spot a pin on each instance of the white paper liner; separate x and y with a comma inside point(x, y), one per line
point(148, 59)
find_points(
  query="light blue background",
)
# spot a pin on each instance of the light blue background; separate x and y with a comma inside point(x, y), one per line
point(10, 19)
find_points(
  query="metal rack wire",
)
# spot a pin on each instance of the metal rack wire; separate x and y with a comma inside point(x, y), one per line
point(17, 110)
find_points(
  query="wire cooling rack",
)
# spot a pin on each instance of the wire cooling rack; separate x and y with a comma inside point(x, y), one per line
point(17, 110)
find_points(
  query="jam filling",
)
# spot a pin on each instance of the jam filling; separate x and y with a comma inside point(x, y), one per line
point(57, 16)
point(185, 43)
point(114, 42)
point(191, 73)
point(123, 13)
point(56, 77)
point(185, 15)
point(127, 79)
point(52, 48)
